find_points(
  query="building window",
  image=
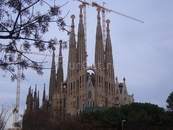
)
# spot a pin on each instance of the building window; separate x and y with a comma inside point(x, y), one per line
point(80, 79)
point(71, 86)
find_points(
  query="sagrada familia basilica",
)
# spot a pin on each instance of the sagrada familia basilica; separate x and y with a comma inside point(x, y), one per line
point(86, 86)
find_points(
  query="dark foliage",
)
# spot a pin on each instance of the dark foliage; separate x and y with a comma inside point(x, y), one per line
point(170, 102)
point(136, 116)
point(24, 22)
point(143, 116)
point(38, 120)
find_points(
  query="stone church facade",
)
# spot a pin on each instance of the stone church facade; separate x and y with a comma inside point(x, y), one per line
point(85, 85)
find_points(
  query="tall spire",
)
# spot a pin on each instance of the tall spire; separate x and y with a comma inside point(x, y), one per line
point(52, 82)
point(60, 75)
point(99, 51)
point(35, 93)
point(44, 94)
point(72, 61)
point(99, 65)
point(124, 91)
point(29, 101)
point(44, 100)
point(35, 99)
point(38, 99)
point(29, 91)
point(111, 88)
point(109, 66)
point(81, 50)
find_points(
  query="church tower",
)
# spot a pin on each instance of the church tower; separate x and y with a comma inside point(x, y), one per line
point(72, 70)
point(52, 81)
point(86, 86)
point(99, 65)
point(109, 71)
point(60, 75)
point(59, 95)
point(81, 64)
point(76, 82)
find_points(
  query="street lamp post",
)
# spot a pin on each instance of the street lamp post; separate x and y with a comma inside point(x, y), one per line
point(122, 121)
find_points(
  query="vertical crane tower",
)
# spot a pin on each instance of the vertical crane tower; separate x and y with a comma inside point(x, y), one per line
point(16, 109)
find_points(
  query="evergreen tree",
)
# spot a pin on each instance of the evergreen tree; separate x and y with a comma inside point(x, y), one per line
point(170, 102)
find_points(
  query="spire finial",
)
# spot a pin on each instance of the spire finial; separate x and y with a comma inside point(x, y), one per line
point(38, 94)
point(36, 88)
point(35, 93)
point(81, 7)
point(60, 47)
point(124, 79)
point(98, 9)
point(44, 94)
point(108, 30)
point(29, 92)
point(108, 22)
point(116, 78)
point(98, 15)
point(72, 25)
point(72, 17)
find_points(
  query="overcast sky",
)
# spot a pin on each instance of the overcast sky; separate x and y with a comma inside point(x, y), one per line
point(142, 51)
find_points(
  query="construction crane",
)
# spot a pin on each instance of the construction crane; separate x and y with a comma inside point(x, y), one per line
point(94, 4)
point(16, 109)
point(109, 10)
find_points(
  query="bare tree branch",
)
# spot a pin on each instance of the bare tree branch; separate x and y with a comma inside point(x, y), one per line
point(4, 115)
point(22, 23)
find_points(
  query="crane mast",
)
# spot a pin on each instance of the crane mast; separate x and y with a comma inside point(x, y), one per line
point(18, 90)
point(16, 109)
point(104, 26)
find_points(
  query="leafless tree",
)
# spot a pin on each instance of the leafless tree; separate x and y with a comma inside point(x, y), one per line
point(26, 22)
point(5, 113)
